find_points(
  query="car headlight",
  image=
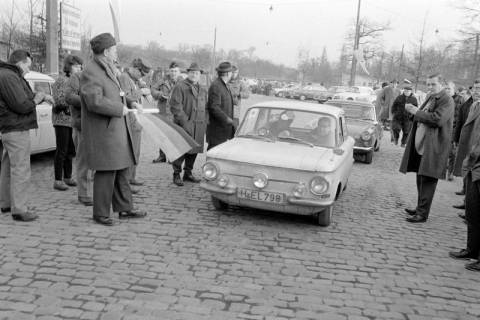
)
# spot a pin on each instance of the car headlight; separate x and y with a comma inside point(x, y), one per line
point(366, 136)
point(260, 180)
point(222, 181)
point(210, 171)
point(318, 185)
point(299, 190)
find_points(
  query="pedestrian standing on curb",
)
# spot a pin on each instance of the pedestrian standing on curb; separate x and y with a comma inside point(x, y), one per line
point(220, 107)
point(470, 142)
point(388, 96)
point(187, 104)
point(62, 123)
point(462, 115)
point(458, 100)
point(84, 175)
point(108, 136)
point(17, 116)
point(401, 119)
point(426, 152)
point(239, 91)
point(161, 91)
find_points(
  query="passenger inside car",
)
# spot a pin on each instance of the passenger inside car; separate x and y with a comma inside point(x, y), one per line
point(280, 125)
point(322, 134)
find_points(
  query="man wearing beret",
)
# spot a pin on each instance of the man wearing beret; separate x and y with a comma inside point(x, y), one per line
point(220, 107)
point(161, 91)
point(400, 117)
point(187, 104)
point(107, 134)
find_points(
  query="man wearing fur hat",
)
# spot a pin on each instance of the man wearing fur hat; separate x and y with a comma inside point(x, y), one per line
point(107, 134)
point(187, 104)
point(220, 107)
point(161, 91)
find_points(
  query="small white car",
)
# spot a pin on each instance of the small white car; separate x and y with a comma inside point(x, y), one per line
point(43, 138)
point(356, 93)
point(280, 161)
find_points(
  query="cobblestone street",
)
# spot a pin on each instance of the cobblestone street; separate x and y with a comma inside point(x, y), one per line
point(186, 260)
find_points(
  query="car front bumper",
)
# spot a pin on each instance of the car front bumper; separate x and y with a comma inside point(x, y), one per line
point(303, 206)
point(362, 149)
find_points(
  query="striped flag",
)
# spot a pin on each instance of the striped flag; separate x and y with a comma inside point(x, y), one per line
point(171, 138)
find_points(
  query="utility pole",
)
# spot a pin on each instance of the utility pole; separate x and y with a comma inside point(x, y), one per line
point(355, 47)
point(214, 50)
point(400, 64)
point(52, 36)
point(476, 58)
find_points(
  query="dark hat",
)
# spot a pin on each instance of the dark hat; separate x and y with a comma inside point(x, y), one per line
point(194, 67)
point(101, 42)
point(173, 65)
point(141, 66)
point(234, 68)
point(224, 67)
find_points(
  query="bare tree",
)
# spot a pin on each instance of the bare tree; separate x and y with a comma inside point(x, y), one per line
point(10, 25)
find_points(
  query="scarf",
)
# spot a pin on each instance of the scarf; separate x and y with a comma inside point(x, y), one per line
point(110, 69)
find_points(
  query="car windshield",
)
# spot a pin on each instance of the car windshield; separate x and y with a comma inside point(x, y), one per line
point(292, 126)
point(360, 112)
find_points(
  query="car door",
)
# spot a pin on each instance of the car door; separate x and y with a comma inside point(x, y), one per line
point(44, 139)
point(346, 143)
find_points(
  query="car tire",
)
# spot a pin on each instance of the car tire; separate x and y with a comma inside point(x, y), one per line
point(324, 217)
point(377, 146)
point(302, 98)
point(280, 95)
point(349, 98)
point(219, 204)
point(369, 157)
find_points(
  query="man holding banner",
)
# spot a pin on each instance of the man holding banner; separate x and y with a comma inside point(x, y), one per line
point(187, 104)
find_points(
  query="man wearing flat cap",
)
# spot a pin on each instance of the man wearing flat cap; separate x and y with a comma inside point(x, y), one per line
point(107, 134)
point(401, 119)
point(161, 91)
point(187, 104)
point(220, 107)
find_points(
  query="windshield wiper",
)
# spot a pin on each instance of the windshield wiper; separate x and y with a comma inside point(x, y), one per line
point(254, 136)
point(296, 140)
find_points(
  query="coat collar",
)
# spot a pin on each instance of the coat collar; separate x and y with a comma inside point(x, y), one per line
point(474, 113)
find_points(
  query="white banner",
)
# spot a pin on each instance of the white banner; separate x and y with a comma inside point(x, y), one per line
point(70, 27)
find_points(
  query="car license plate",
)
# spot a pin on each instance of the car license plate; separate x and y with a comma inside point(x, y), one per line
point(261, 196)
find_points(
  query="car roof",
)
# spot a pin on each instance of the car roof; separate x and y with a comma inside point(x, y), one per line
point(301, 106)
point(32, 75)
point(359, 103)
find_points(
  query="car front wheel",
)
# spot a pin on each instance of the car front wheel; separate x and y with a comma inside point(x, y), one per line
point(324, 217)
point(219, 204)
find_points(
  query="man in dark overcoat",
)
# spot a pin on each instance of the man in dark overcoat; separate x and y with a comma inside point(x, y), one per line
point(220, 107)
point(187, 104)
point(469, 145)
point(400, 117)
point(161, 91)
point(107, 134)
point(428, 145)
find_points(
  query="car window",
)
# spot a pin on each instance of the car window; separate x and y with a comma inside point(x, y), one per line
point(318, 129)
point(360, 112)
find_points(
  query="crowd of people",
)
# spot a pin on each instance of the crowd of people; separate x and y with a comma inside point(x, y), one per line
point(94, 123)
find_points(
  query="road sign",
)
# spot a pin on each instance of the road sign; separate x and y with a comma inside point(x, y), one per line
point(70, 27)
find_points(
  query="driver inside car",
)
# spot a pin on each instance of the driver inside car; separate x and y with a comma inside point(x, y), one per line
point(280, 125)
point(322, 135)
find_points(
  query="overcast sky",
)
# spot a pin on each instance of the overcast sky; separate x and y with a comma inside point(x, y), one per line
point(276, 34)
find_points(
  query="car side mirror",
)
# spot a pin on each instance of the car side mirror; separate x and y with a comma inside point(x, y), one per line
point(338, 151)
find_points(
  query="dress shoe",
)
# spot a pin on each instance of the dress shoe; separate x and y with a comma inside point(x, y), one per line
point(462, 254)
point(24, 216)
point(460, 193)
point(60, 185)
point(7, 209)
point(135, 182)
point(190, 177)
point(462, 215)
point(70, 182)
point(459, 206)
point(132, 214)
point(474, 266)
point(416, 219)
point(159, 160)
point(86, 201)
point(106, 221)
point(411, 212)
point(177, 180)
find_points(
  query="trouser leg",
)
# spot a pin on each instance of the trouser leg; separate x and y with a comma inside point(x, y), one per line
point(426, 190)
point(189, 162)
point(122, 194)
point(472, 214)
point(67, 163)
point(177, 165)
point(16, 179)
point(61, 138)
point(5, 201)
point(406, 126)
point(84, 175)
point(103, 185)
